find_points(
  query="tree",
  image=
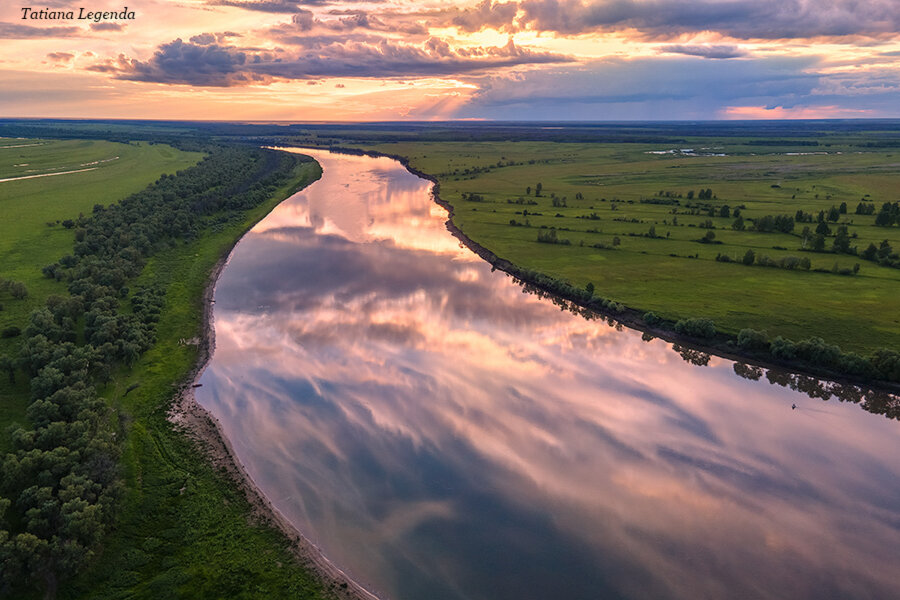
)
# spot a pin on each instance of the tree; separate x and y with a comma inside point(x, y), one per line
point(538, 188)
point(823, 228)
point(9, 365)
point(738, 224)
point(749, 257)
point(842, 240)
point(18, 290)
point(843, 208)
point(818, 243)
point(870, 253)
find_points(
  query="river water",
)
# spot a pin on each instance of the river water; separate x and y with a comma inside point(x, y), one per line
point(442, 435)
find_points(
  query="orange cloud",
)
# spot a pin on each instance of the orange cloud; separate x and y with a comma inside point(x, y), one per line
point(793, 112)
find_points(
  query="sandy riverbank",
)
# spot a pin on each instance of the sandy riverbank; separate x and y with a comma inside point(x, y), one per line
point(205, 430)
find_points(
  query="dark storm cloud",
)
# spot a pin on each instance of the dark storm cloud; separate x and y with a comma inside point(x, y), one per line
point(704, 51)
point(202, 62)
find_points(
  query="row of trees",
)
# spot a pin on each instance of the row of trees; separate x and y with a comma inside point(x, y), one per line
point(59, 483)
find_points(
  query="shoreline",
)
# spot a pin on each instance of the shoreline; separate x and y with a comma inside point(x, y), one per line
point(193, 420)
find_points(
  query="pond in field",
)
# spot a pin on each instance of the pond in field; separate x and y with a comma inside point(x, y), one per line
point(442, 435)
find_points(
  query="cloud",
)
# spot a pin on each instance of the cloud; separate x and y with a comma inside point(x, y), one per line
point(704, 51)
point(270, 6)
point(793, 112)
point(485, 15)
point(203, 62)
point(178, 62)
point(61, 57)
point(278, 6)
point(655, 88)
point(23, 32)
point(390, 59)
point(107, 26)
point(756, 19)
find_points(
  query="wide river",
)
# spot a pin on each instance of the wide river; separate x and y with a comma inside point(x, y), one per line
point(440, 434)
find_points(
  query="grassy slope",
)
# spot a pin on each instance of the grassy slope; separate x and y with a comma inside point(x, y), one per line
point(859, 313)
point(184, 530)
point(27, 243)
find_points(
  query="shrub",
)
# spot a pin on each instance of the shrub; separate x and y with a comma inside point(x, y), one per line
point(700, 328)
point(750, 339)
point(783, 349)
point(651, 319)
point(887, 364)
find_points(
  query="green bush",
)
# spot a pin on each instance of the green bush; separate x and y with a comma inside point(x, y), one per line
point(700, 328)
point(750, 339)
point(651, 319)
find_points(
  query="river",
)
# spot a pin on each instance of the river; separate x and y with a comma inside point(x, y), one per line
point(442, 435)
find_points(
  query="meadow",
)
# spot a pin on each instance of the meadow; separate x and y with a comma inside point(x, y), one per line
point(31, 231)
point(634, 221)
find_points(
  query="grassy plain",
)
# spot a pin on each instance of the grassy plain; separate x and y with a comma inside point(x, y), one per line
point(674, 275)
point(31, 234)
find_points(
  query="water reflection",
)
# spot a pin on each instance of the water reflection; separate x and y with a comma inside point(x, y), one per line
point(443, 435)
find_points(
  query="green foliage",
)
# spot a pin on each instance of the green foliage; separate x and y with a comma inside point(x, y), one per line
point(62, 469)
point(697, 327)
point(750, 339)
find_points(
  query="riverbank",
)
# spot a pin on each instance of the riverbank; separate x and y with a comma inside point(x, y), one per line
point(719, 344)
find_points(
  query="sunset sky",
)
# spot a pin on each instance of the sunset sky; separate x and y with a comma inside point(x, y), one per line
point(304, 60)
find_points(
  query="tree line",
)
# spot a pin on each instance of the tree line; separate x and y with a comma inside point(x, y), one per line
point(60, 483)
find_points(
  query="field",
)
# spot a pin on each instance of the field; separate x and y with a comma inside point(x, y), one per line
point(31, 230)
point(611, 195)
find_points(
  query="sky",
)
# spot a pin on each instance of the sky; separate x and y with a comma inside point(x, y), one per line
point(378, 60)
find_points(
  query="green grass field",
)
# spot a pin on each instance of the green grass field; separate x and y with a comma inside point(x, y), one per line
point(859, 313)
point(31, 234)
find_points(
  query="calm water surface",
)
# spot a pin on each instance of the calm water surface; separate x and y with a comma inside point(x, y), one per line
point(442, 435)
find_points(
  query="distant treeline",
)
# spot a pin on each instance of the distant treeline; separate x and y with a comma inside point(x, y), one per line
point(767, 133)
point(60, 483)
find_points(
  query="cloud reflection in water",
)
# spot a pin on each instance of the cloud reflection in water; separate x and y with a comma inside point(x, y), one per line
point(440, 434)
